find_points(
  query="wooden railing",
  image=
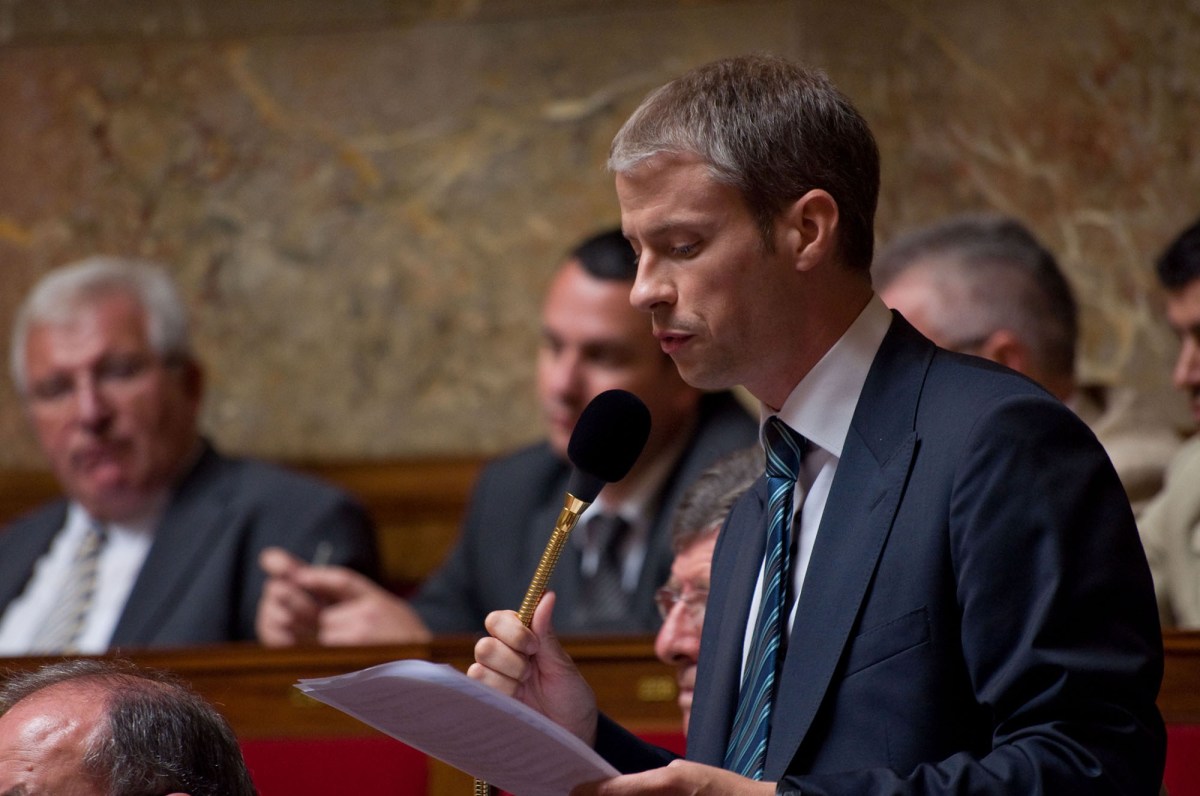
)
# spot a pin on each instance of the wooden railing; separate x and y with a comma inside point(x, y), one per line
point(254, 687)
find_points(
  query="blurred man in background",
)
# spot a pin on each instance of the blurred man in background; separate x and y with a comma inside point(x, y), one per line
point(984, 285)
point(682, 599)
point(157, 539)
point(1170, 526)
point(592, 341)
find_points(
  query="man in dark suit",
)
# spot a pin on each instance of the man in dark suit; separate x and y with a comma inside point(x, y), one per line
point(156, 542)
point(592, 341)
point(953, 599)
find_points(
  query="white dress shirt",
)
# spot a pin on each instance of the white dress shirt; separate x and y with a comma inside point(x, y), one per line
point(821, 407)
point(120, 562)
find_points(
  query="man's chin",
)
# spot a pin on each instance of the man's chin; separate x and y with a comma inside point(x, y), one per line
point(110, 501)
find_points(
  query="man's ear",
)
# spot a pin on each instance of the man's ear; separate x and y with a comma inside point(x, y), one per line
point(809, 228)
point(1005, 347)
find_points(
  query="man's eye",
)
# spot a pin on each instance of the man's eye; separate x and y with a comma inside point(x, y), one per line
point(121, 369)
point(684, 250)
point(52, 389)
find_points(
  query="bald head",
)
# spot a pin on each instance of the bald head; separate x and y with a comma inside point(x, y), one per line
point(91, 728)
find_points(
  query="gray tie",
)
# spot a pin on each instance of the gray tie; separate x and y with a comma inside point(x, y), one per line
point(62, 628)
point(605, 603)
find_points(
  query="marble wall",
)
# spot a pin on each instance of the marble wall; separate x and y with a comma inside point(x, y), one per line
point(363, 200)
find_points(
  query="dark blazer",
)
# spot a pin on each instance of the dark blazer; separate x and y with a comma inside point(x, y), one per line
point(513, 509)
point(201, 582)
point(977, 616)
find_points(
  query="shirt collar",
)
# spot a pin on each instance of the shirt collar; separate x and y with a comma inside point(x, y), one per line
point(822, 405)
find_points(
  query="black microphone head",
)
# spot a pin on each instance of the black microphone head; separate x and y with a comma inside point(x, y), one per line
point(607, 440)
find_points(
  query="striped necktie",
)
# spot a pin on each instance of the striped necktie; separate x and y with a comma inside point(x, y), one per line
point(63, 626)
point(747, 751)
point(604, 603)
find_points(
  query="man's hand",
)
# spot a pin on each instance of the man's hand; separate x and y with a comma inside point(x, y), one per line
point(333, 606)
point(681, 778)
point(529, 664)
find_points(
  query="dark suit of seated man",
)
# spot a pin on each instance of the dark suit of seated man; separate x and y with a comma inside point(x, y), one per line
point(592, 341)
point(156, 542)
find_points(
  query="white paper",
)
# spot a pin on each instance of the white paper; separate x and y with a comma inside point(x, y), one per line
point(445, 714)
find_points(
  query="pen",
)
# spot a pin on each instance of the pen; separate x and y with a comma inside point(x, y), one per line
point(323, 554)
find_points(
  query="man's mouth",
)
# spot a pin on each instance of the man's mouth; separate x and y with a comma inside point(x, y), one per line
point(671, 342)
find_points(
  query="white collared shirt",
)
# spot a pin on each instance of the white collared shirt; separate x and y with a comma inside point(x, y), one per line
point(121, 560)
point(821, 407)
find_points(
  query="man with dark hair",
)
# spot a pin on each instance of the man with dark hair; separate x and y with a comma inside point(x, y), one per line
point(938, 588)
point(1170, 525)
point(157, 538)
point(984, 284)
point(683, 598)
point(592, 341)
point(97, 728)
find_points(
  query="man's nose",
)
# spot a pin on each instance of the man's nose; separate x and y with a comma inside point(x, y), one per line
point(566, 374)
point(91, 404)
point(650, 289)
point(678, 639)
point(1186, 374)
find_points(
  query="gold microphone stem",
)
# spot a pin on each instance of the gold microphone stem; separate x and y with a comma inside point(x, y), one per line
point(567, 518)
point(573, 507)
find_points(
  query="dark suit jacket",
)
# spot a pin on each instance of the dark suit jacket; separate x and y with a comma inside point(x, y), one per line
point(977, 616)
point(513, 510)
point(201, 582)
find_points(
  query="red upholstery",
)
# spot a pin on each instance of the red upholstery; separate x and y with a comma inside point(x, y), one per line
point(385, 767)
point(1183, 760)
point(318, 767)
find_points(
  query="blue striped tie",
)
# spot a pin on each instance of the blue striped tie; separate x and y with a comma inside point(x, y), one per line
point(747, 751)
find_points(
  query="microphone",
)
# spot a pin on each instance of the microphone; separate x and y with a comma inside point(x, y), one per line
point(605, 443)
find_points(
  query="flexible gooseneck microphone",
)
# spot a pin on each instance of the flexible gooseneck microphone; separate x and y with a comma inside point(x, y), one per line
point(605, 444)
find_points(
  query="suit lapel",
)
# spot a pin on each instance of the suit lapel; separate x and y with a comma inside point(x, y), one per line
point(186, 534)
point(23, 543)
point(862, 504)
point(854, 528)
point(736, 563)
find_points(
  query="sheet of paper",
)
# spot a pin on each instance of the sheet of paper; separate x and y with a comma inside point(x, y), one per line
point(437, 709)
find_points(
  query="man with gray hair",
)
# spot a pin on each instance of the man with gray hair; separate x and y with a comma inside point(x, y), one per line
point(682, 600)
point(157, 539)
point(105, 728)
point(983, 284)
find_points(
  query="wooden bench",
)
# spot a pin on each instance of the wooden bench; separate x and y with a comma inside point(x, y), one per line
point(297, 746)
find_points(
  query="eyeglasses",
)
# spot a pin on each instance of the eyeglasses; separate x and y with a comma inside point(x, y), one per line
point(111, 375)
point(694, 601)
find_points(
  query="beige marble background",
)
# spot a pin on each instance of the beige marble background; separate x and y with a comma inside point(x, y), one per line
point(363, 200)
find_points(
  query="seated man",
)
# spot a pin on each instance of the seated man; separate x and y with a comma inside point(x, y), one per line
point(697, 522)
point(592, 340)
point(1170, 526)
point(97, 728)
point(157, 540)
point(984, 285)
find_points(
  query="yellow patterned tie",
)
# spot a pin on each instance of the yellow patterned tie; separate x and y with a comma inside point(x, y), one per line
point(63, 626)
